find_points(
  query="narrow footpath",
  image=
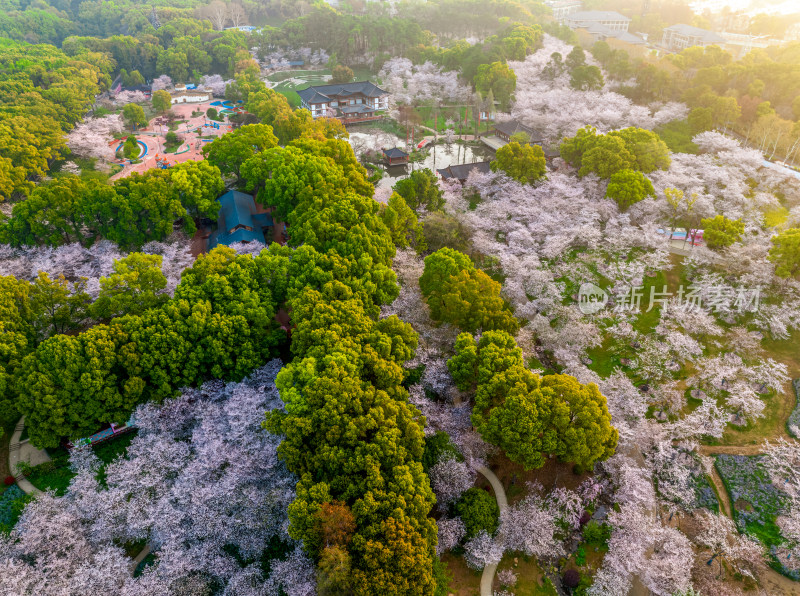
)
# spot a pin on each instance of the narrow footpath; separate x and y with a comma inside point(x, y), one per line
point(502, 502)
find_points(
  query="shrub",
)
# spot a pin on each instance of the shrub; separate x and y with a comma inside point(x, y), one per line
point(212, 113)
point(571, 578)
point(172, 138)
point(596, 533)
point(9, 480)
point(580, 556)
point(479, 511)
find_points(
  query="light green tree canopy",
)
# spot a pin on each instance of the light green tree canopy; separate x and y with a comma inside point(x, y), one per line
point(459, 293)
point(133, 115)
point(720, 232)
point(785, 253)
point(421, 190)
point(134, 286)
point(627, 187)
point(524, 163)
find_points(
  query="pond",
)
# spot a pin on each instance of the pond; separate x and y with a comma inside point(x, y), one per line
point(438, 156)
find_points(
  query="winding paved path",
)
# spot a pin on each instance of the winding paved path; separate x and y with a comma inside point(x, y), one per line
point(502, 502)
point(14, 450)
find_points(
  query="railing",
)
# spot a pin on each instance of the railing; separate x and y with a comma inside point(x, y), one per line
point(347, 121)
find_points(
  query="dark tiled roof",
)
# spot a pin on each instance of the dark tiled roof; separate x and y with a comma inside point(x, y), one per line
point(394, 153)
point(340, 90)
point(512, 127)
point(461, 171)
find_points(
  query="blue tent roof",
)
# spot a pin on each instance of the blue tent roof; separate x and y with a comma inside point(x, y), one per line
point(238, 220)
point(236, 209)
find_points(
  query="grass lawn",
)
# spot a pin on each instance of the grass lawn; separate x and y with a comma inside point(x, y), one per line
point(678, 136)
point(56, 474)
point(530, 579)
point(465, 581)
point(778, 407)
point(756, 501)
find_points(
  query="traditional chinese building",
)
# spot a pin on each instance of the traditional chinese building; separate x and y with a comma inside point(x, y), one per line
point(461, 171)
point(395, 156)
point(359, 101)
point(506, 130)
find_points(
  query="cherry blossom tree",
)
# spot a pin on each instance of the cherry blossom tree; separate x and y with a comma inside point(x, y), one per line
point(482, 550)
point(414, 84)
point(451, 531)
point(201, 483)
point(725, 544)
point(450, 478)
point(161, 82)
point(216, 84)
point(90, 138)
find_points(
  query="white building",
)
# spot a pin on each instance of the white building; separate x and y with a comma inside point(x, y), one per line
point(604, 18)
point(680, 37)
point(185, 96)
point(563, 8)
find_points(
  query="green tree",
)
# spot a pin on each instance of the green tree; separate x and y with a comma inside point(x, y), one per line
point(421, 190)
point(701, 119)
point(334, 571)
point(629, 148)
point(162, 101)
point(500, 79)
point(230, 151)
point(135, 285)
point(586, 78)
point(627, 187)
point(458, 293)
point(526, 415)
point(212, 113)
point(341, 74)
point(400, 220)
point(576, 58)
point(58, 306)
point(198, 184)
point(785, 253)
point(133, 114)
point(479, 511)
point(131, 148)
point(146, 208)
point(720, 232)
point(440, 230)
point(52, 215)
point(523, 163)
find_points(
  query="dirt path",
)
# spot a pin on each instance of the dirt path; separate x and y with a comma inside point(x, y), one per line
point(724, 499)
point(731, 449)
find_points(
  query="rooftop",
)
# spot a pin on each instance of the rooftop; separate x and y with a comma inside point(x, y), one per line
point(394, 153)
point(689, 31)
point(238, 212)
point(512, 127)
point(597, 15)
point(461, 171)
point(324, 93)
